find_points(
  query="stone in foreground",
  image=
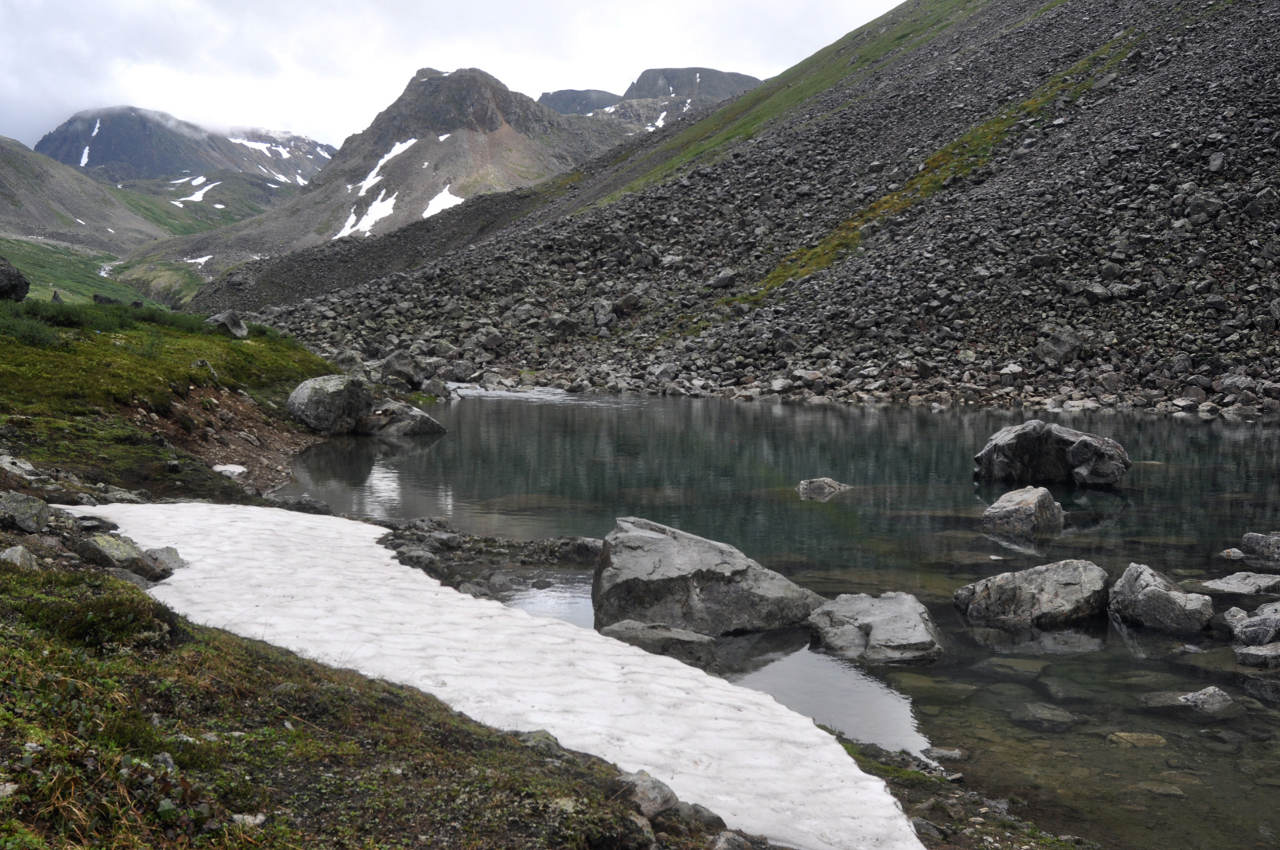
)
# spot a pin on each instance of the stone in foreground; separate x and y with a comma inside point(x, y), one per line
point(14, 286)
point(1043, 597)
point(819, 489)
point(1148, 598)
point(331, 404)
point(656, 574)
point(1265, 546)
point(894, 628)
point(120, 553)
point(23, 512)
point(1026, 514)
point(1037, 452)
point(397, 419)
point(229, 323)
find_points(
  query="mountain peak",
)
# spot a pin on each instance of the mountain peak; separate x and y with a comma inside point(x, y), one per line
point(703, 83)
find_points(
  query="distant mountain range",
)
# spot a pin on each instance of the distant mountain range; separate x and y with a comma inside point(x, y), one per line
point(127, 143)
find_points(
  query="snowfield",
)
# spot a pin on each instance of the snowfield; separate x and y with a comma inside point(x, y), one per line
point(322, 587)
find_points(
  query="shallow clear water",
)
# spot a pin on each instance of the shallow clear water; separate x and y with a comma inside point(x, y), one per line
point(558, 465)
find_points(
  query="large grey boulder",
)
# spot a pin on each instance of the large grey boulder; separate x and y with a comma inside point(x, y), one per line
point(1148, 598)
point(331, 404)
point(23, 512)
point(1265, 546)
point(657, 574)
point(1043, 597)
point(120, 553)
point(13, 284)
point(1026, 514)
point(1260, 627)
point(1037, 452)
point(397, 419)
point(229, 323)
point(894, 628)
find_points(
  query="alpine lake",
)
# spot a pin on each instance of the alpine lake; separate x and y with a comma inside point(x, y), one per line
point(545, 464)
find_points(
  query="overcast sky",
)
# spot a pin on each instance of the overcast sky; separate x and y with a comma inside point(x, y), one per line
point(325, 69)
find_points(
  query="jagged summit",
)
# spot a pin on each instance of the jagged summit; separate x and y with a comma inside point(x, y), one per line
point(699, 83)
point(131, 143)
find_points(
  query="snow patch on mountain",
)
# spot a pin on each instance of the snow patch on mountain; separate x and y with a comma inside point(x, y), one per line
point(441, 202)
point(260, 147)
point(374, 176)
point(96, 126)
point(377, 211)
point(84, 157)
point(197, 181)
point(445, 136)
point(197, 197)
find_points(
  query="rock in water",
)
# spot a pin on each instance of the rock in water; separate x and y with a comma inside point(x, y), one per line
point(656, 574)
point(1148, 598)
point(397, 419)
point(892, 629)
point(1043, 597)
point(819, 489)
point(13, 284)
point(1037, 452)
point(1266, 546)
point(331, 404)
point(1029, 513)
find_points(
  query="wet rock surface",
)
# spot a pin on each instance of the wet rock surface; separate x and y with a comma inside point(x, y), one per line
point(1037, 452)
point(894, 628)
point(1043, 597)
point(1148, 598)
point(1026, 514)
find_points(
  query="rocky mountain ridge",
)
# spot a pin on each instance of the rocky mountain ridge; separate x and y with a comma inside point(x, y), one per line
point(127, 143)
point(1092, 218)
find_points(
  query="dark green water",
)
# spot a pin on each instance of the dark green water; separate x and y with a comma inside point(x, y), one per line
point(524, 468)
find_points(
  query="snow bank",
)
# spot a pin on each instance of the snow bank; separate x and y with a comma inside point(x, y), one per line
point(321, 586)
point(441, 202)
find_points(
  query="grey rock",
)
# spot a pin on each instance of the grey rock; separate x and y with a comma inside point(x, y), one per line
point(23, 512)
point(14, 286)
point(1267, 655)
point(1256, 629)
point(167, 558)
point(1044, 717)
point(820, 489)
point(681, 644)
point(1244, 583)
point(1028, 513)
point(657, 574)
point(894, 628)
point(397, 419)
point(113, 552)
point(229, 323)
point(1043, 597)
point(331, 404)
point(1037, 452)
point(1265, 546)
point(19, 556)
point(650, 795)
point(1148, 598)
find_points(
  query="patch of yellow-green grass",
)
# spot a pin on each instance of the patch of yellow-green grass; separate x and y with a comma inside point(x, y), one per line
point(74, 274)
point(970, 151)
point(167, 281)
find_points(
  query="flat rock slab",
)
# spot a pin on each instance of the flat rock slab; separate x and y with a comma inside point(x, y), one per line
point(1043, 597)
point(1137, 740)
point(683, 645)
point(820, 489)
point(1044, 717)
point(1244, 583)
point(1037, 452)
point(657, 574)
point(894, 628)
point(1266, 656)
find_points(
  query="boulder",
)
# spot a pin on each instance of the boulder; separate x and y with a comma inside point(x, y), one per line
point(1208, 703)
point(894, 628)
point(650, 796)
point(1148, 598)
point(331, 404)
point(113, 552)
point(1037, 452)
point(656, 574)
point(1043, 597)
point(402, 366)
point(1248, 584)
point(19, 556)
point(23, 512)
point(1026, 514)
point(1267, 655)
point(397, 419)
point(229, 323)
point(820, 489)
point(13, 285)
point(690, 647)
point(1256, 629)
point(1044, 717)
point(1265, 546)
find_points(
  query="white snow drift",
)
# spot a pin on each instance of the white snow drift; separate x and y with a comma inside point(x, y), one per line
point(321, 586)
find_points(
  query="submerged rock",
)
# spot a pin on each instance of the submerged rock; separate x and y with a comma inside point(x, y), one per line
point(1148, 598)
point(1044, 717)
point(1245, 583)
point(681, 644)
point(894, 628)
point(820, 489)
point(1211, 703)
point(657, 574)
point(1037, 452)
point(1026, 514)
point(1043, 597)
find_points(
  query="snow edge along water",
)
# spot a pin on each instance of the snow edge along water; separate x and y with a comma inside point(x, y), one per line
point(322, 586)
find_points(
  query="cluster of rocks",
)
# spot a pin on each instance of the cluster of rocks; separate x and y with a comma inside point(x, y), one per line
point(1119, 248)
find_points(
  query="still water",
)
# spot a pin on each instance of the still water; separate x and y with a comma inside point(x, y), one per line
point(547, 465)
